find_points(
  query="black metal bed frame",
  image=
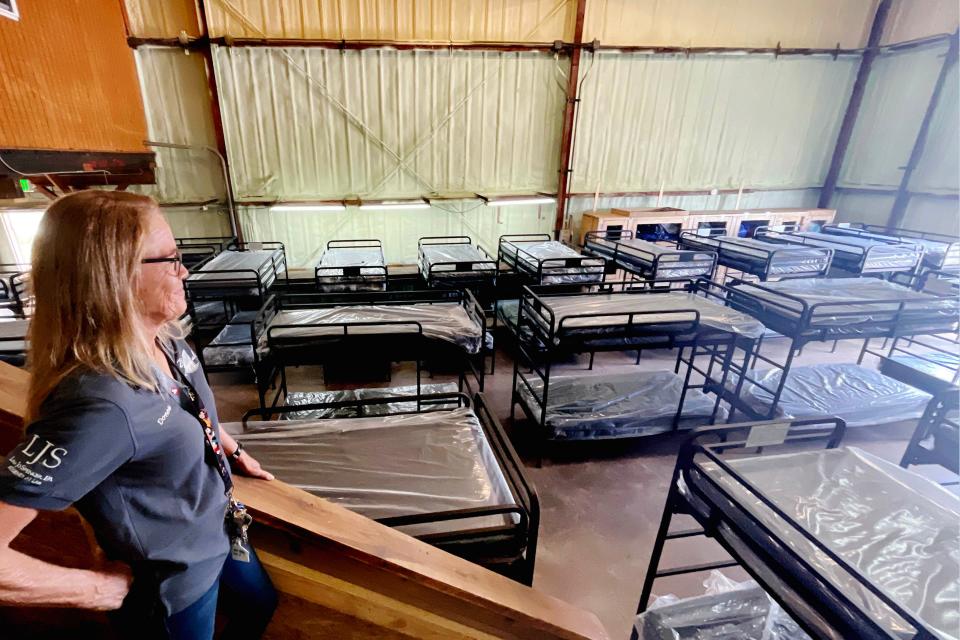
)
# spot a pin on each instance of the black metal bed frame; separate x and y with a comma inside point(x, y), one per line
point(196, 250)
point(858, 265)
point(523, 535)
point(342, 277)
point(644, 264)
point(456, 273)
point(796, 320)
point(14, 289)
point(787, 575)
point(941, 413)
point(536, 269)
point(406, 343)
point(728, 257)
point(542, 341)
point(896, 235)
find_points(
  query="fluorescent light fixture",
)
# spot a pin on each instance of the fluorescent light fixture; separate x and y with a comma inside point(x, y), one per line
point(506, 202)
point(394, 206)
point(307, 207)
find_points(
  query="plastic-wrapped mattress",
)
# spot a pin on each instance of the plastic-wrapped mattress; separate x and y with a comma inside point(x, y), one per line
point(943, 366)
point(300, 398)
point(372, 274)
point(936, 254)
point(847, 301)
point(528, 255)
point(617, 307)
point(622, 405)
point(390, 466)
point(898, 529)
point(861, 396)
point(728, 611)
point(848, 251)
point(441, 321)
point(237, 272)
point(654, 261)
point(751, 255)
point(233, 346)
point(13, 336)
point(455, 261)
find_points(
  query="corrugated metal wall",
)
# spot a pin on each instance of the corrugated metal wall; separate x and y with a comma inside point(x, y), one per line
point(304, 234)
point(939, 167)
point(69, 80)
point(725, 121)
point(895, 100)
point(399, 20)
point(306, 123)
point(162, 18)
point(915, 19)
point(197, 222)
point(731, 23)
point(177, 100)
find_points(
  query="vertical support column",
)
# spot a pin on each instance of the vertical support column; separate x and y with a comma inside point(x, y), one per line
point(899, 209)
point(853, 107)
point(207, 52)
point(566, 137)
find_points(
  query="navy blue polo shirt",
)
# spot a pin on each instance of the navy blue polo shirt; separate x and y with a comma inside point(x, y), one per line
point(132, 461)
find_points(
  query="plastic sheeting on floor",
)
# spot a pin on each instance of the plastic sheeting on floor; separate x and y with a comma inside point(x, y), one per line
point(897, 528)
point(861, 396)
point(621, 405)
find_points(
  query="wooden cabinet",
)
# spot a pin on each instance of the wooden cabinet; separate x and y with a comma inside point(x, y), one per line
point(814, 219)
point(609, 220)
point(661, 224)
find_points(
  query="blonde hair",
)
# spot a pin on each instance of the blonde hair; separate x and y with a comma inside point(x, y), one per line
point(86, 268)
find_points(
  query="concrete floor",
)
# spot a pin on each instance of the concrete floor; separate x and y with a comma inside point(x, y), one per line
point(601, 502)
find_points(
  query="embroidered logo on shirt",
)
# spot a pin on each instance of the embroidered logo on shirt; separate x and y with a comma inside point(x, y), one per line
point(163, 418)
point(187, 361)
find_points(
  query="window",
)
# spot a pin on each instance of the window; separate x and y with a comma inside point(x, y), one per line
point(8, 9)
point(20, 227)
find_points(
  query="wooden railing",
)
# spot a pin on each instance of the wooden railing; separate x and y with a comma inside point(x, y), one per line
point(339, 574)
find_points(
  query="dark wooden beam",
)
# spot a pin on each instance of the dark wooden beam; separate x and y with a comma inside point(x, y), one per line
point(10, 189)
point(853, 107)
point(899, 210)
point(78, 169)
point(566, 135)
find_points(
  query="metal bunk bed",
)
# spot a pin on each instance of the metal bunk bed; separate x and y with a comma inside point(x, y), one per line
point(352, 265)
point(223, 295)
point(15, 297)
point(436, 467)
point(194, 251)
point(823, 310)
point(940, 251)
point(816, 529)
point(331, 329)
point(858, 256)
point(13, 340)
point(554, 326)
point(541, 260)
point(765, 260)
point(936, 439)
point(647, 260)
point(454, 261)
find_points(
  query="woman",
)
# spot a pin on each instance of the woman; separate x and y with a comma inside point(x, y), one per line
point(122, 424)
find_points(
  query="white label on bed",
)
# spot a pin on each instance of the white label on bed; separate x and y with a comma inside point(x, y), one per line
point(767, 434)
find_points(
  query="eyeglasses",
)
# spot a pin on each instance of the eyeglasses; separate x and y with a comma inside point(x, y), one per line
point(176, 260)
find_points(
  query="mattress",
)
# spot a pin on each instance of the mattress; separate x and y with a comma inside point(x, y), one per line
point(13, 335)
point(851, 301)
point(943, 366)
point(900, 530)
point(528, 255)
point(467, 261)
point(445, 321)
point(233, 346)
point(621, 405)
point(849, 250)
point(238, 269)
point(862, 397)
point(372, 276)
point(936, 254)
point(642, 256)
point(299, 398)
point(616, 308)
point(390, 466)
point(750, 255)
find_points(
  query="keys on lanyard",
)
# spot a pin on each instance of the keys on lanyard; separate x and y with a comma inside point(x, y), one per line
point(238, 521)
